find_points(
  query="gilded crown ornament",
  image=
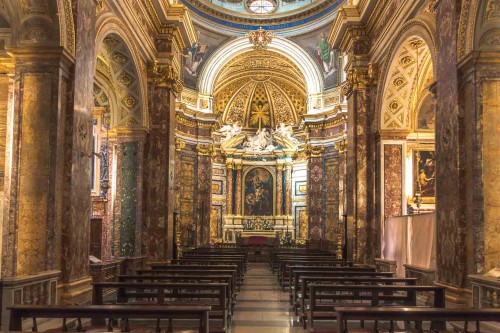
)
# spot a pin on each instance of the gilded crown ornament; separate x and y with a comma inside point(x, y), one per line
point(260, 38)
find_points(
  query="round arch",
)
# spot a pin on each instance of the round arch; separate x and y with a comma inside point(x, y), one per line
point(282, 46)
point(112, 26)
point(417, 28)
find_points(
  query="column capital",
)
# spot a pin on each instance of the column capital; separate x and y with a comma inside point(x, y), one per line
point(341, 145)
point(179, 144)
point(314, 151)
point(359, 78)
point(229, 165)
point(164, 75)
point(204, 149)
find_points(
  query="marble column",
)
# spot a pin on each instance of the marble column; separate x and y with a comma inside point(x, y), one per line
point(341, 148)
point(360, 164)
point(159, 165)
point(279, 189)
point(315, 192)
point(450, 191)
point(128, 149)
point(288, 189)
point(34, 159)
point(204, 193)
point(229, 195)
point(238, 209)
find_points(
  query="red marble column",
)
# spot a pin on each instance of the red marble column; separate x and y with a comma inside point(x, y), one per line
point(279, 189)
point(238, 209)
point(450, 181)
point(159, 166)
point(204, 194)
point(360, 166)
point(229, 195)
point(315, 195)
point(288, 190)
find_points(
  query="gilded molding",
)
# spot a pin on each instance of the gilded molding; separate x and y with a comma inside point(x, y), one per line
point(165, 76)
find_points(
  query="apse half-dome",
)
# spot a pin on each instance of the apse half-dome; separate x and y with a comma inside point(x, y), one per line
point(260, 89)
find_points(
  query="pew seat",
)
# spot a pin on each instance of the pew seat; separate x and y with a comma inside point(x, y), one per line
point(110, 312)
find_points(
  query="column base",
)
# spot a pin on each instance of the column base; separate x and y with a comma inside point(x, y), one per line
point(456, 297)
point(76, 292)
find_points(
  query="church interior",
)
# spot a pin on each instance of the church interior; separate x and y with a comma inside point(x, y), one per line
point(350, 140)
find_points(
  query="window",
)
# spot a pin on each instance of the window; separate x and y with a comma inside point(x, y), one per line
point(261, 6)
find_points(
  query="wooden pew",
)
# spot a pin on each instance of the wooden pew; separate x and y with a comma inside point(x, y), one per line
point(160, 268)
point(283, 263)
point(274, 253)
point(303, 296)
point(175, 294)
point(280, 256)
point(418, 315)
point(286, 277)
point(364, 295)
point(298, 272)
point(188, 278)
point(208, 262)
point(102, 312)
point(235, 257)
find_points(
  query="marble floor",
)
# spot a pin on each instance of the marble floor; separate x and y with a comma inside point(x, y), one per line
point(261, 306)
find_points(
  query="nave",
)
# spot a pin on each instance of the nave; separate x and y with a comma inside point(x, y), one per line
point(262, 306)
point(217, 290)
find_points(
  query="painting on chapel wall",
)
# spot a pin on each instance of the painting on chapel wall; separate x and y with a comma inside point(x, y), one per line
point(259, 192)
point(325, 56)
point(424, 174)
point(426, 117)
point(197, 54)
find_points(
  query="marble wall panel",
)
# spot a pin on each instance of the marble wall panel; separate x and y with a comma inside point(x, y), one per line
point(204, 198)
point(315, 199)
point(331, 198)
point(188, 198)
point(393, 173)
point(450, 224)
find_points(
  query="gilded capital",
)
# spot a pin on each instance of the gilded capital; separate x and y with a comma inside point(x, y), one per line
point(359, 78)
point(204, 149)
point(341, 146)
point(314, 151)
point(165, 76)
point(179, 144)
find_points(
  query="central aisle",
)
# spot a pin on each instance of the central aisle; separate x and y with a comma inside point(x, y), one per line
point(261, 306)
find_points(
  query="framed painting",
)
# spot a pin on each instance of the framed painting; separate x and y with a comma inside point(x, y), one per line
point(258, 193)
point(424, 174)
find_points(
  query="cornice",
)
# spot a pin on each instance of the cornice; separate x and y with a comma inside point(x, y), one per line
point(179, 16)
